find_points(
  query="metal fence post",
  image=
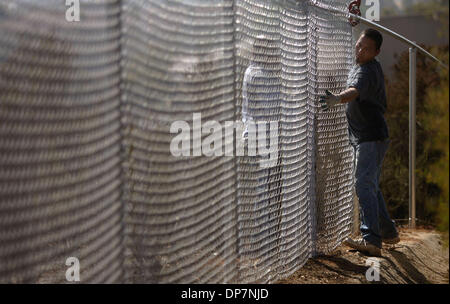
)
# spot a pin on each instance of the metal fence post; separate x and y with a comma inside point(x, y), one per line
point(412, 137)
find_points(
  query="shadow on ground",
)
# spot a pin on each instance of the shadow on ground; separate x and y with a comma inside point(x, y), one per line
point(418, 259)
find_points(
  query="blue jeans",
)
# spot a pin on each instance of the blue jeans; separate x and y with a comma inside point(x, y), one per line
point(375, 221)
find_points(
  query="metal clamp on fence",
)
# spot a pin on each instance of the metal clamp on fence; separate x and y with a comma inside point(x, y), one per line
point(354, 9)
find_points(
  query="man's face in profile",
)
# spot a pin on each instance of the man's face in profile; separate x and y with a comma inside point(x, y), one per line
point(365, 50)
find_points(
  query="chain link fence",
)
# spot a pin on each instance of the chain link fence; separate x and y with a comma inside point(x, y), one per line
point(86, 168)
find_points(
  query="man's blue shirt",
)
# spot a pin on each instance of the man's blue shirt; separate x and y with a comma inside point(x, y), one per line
point(365, 114)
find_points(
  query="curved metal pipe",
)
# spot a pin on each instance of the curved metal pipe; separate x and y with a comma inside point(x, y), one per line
point(385, 30)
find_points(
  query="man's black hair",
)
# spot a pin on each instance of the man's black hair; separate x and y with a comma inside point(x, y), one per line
point(375, 36)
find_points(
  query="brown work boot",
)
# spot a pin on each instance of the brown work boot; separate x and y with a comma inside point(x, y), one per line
point(391, 241)
point(363, 246)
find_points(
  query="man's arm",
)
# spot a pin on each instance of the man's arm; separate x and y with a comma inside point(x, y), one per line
point(330, 100)
point(348, 95)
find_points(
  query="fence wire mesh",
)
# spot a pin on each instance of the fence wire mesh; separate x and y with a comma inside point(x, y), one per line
point(59, 142)
point(86, 168)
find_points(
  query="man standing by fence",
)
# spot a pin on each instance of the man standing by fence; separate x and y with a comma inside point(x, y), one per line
point(368, 133)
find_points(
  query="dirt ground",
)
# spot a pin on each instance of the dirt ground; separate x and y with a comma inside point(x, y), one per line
point(419, 258)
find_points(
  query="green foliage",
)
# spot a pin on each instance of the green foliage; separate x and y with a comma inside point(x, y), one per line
point(432, 141)
point(436, 123)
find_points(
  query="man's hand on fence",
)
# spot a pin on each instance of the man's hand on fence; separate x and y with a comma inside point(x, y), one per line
point(329, 100)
